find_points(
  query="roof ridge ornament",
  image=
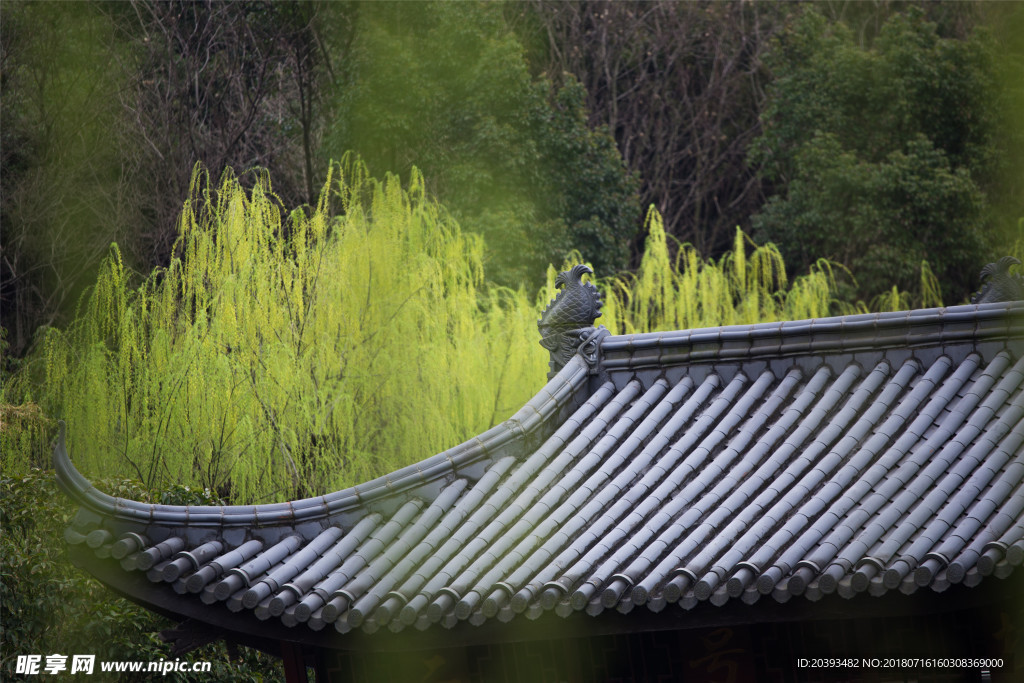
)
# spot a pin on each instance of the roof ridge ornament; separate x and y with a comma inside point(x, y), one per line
point(998, 284)
point(567, 324)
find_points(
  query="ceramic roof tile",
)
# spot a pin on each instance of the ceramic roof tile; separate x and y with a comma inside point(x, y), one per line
point(849, 455)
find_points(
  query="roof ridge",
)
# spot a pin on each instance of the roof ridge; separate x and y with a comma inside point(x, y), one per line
point(874, 331)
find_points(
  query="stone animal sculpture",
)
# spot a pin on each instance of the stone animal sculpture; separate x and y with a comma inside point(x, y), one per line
point(568, 321)
point(999, 284)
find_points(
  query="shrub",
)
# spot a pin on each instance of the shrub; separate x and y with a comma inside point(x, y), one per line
point(47, 606)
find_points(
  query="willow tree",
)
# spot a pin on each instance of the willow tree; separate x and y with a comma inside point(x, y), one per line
point(284, 355)
point(748, 284)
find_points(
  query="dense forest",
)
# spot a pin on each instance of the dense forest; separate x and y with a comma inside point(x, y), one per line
point(544, 127)
point(230, 229)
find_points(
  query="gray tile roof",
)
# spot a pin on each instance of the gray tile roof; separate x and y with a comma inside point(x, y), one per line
point(770, 462)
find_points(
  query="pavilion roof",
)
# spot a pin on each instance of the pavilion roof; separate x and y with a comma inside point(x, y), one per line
point(744, 465)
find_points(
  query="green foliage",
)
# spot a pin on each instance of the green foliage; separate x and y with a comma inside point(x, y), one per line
point(285, 356)
point(586, 187)
point(1006, 193)
point(24, 434)
point(690, 292)
point(446, 87)
point(880, 152)
point(47, 606)
point(58, 168)
point(680, 85)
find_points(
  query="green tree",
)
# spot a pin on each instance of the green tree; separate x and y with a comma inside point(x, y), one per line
point(49, 606)
point(59, 174)
point(680, 86)
point(881, 153)
point(106, 109)
point(445, 87)
point(225, 84)
point(342, 346)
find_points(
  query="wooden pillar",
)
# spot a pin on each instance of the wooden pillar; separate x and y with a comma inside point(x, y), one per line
point(294, 663)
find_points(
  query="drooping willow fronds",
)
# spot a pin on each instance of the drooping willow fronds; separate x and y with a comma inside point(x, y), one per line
point(290, 355)
point(747, 285)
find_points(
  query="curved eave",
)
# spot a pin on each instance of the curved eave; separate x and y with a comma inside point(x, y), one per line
point(246, 629)
point(708, 470)
point(528, 425)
